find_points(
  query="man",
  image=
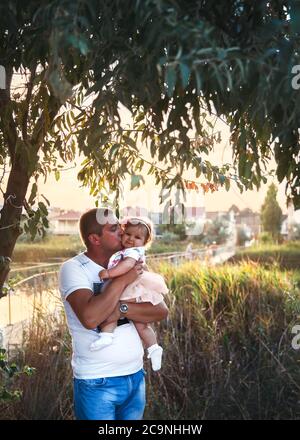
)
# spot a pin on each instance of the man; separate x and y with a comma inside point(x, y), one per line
point(109, 384)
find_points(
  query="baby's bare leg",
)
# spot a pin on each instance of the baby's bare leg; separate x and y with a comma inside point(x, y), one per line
point(148, 336)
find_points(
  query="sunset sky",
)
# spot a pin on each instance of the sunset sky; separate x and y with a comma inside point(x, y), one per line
point(68, 194)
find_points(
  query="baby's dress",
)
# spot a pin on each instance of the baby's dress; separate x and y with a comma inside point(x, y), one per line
point(148, 287)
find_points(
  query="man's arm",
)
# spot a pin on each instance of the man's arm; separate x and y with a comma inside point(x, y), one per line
point(146, 312)
point(140, 312)
point(93, 309)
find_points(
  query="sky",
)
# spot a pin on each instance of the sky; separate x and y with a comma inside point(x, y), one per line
point(67, 193)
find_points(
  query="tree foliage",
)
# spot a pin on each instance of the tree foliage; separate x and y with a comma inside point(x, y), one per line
point(173, 64)
point(271, 213)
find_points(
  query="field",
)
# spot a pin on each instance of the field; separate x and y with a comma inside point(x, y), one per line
point(286, 256)
point(227, 350)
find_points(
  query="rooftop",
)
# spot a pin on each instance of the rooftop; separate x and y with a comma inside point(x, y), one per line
point(68, 215)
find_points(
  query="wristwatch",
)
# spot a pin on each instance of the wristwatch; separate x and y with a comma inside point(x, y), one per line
point(123, 308)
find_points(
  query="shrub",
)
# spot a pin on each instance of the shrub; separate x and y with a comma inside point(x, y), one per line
point(169, 237)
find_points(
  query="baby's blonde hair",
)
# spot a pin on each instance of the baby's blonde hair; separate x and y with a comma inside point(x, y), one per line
point(140, 221)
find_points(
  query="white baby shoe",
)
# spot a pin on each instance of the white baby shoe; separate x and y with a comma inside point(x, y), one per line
point(155, 354)
point(102, 341)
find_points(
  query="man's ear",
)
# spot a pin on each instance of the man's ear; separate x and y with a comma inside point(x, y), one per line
point(94, 239)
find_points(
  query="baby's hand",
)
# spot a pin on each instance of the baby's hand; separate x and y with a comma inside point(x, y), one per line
point(103, 274)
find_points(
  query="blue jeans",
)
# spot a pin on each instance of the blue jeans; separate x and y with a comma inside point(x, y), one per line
point(110, 398)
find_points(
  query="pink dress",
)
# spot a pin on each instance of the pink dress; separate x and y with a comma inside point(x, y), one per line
point(148, 287)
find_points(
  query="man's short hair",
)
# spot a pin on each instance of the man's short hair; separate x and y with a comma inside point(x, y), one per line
point(93, 221)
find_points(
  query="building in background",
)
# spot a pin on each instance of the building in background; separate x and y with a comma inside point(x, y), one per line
point(291, 223)
point(247, 218)
point(213, 215)
point(194, 213)
point(65, 222)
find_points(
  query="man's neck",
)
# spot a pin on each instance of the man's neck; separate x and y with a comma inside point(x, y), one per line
point(98, 256)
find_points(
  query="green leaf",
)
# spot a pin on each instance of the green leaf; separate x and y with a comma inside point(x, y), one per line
point(295, 15)
point(136, 181)
point(185, 74)
point(113, 152)
point(198, 81)
point(153, 148)
point(45, 222)
point(46, 200)
point(79, 42)
point(139, 165)
point(33, 194)
point(43, 208)
point(170, 79)
point(222, 179)
point(227, 184)
point(130, 142)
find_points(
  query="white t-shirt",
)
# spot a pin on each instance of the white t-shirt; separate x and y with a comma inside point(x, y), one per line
point(124, 356)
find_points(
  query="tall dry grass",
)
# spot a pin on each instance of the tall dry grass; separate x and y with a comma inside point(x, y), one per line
point(47, 394)
point(228, 345)
point(227, 350)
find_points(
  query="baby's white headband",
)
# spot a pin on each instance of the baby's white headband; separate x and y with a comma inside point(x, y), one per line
point(136, 221)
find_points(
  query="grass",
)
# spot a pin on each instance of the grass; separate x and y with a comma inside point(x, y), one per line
point(159, 246)
point(52, 247)
point(227, 350)
point(296, 278)
point(285, 255)
point(47, 394)
point(230, 333)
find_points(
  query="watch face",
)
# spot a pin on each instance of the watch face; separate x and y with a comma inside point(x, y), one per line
point(123, 308)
